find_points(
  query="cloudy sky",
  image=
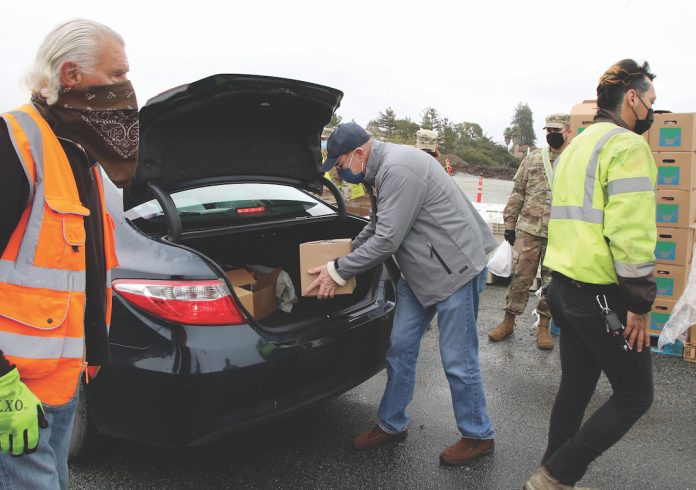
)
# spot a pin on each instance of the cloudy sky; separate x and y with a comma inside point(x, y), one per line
point(473, 61)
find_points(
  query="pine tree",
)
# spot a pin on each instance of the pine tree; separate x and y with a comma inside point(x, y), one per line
point(524, 121)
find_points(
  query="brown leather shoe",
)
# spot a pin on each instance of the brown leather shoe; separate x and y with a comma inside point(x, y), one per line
point(465, 450)
point(375, 438)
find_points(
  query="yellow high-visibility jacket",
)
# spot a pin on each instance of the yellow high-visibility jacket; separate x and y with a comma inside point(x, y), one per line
point(603, 207)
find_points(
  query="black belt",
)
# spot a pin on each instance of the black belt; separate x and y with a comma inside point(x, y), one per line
point(585, 286)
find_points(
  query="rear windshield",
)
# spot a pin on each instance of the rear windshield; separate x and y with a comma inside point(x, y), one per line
point(229, 205)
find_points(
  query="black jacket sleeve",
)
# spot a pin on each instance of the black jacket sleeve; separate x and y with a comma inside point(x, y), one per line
point(14, 192)
point(14, 188)
point(639, 293)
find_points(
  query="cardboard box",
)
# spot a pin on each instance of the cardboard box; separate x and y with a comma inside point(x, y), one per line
point(674, 245)
point(692, 334)
point(581, 116)
point(670, 280)
point(661, 311)
point(675, 209)
point(258, 294)
point(314, 254)
point(673, 132)
point(675, 170)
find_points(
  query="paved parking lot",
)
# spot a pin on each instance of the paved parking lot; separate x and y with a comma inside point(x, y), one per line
point(313, 450)
point(493, 191)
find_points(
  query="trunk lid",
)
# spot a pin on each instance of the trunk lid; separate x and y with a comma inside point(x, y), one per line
point(227, 128)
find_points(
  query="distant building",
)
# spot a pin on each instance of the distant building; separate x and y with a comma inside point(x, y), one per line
point(522, 151)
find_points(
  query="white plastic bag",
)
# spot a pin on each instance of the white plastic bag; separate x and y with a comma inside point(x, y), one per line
point(500, 263)
point(285, 290)
point(683, 314)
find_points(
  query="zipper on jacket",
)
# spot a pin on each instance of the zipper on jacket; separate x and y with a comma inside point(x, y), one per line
point(442, 262)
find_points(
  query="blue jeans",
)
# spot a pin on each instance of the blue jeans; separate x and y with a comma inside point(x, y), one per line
point(456, 318)
point(47, 468)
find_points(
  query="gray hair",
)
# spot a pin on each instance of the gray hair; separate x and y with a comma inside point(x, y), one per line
point(76, 41)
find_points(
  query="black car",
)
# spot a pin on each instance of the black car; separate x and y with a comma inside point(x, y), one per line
point(228, 176)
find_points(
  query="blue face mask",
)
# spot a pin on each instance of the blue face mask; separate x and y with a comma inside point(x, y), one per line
point(347, 174)
point(323, 145)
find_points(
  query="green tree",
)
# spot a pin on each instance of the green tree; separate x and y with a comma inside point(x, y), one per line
point(335, 120)
point(386, 122)
point(447, 138)
point(405, 131)
point(507, 136)
point(472, 130)
point(525, 122)
point(431, 119)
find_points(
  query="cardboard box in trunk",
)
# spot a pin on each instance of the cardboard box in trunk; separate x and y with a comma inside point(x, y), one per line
point(673, 132)
point(661, 310)
point(257, 295)
point(670, 280)
point(675, 170)
point(674, 245)
point(314, 254)
point(675, 209)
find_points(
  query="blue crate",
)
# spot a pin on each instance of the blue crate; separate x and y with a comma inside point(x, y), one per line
point(554, 328)
point(675, 349)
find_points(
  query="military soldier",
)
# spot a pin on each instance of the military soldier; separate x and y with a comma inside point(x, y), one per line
point(526, 217)
point(426, 140)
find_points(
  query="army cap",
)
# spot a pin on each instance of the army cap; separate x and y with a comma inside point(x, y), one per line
point(559, 121)
point(426, 139)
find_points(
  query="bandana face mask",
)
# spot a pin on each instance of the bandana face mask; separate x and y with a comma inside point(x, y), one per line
point(104, 120)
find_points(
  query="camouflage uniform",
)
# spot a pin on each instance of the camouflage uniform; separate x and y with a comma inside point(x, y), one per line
point(527, 212)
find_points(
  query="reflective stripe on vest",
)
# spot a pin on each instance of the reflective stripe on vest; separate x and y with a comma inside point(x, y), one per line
point(41, 347)
point(586, 212)
point(548, 169)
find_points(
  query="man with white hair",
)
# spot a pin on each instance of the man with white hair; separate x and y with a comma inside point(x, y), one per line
point(56, 243)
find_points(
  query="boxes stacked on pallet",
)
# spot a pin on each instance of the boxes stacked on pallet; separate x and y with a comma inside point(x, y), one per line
point(672, 139)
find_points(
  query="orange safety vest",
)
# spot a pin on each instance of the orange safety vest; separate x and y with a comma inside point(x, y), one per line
point(42, 270)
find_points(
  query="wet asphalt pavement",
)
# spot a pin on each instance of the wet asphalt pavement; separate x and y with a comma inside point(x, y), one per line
point(312, 450)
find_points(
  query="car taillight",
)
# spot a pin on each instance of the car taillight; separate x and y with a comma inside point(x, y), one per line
point(186, 302)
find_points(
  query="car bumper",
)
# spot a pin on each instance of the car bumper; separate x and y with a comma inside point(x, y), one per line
point(171, 399)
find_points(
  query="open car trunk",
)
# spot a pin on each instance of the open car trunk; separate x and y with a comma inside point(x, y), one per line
point(278, 247)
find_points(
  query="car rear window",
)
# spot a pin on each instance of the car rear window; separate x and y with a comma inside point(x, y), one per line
point(229, 205)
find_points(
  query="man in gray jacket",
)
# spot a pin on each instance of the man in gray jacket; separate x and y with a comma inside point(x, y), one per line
point(441, 245)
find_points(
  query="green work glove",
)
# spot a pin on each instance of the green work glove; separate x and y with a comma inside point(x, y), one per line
point(21, 415)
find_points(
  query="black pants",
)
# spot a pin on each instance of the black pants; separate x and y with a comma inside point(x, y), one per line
point(587, 351)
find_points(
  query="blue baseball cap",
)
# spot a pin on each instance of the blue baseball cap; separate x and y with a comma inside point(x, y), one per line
point(345, 138)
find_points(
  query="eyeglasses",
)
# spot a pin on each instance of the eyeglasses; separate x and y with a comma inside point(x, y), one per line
point(339, 164)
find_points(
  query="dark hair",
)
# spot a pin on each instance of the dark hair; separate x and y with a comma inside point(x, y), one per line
point(620, 78)
point(434, 153)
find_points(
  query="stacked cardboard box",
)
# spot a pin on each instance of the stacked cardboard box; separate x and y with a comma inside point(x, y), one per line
point(581, 116)
point(672, 139)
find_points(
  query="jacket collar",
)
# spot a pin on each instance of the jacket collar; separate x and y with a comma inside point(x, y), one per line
point(374, 161)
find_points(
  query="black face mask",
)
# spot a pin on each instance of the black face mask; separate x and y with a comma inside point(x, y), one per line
point(642, 125)
point(555, 140)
